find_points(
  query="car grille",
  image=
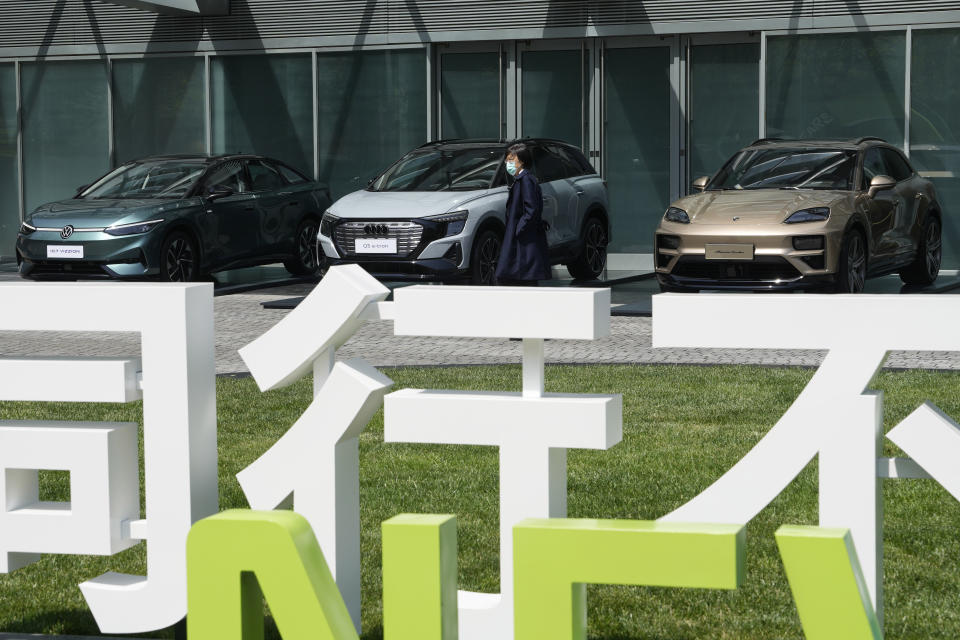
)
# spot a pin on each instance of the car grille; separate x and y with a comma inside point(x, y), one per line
point(761, 269)
point(408, 235)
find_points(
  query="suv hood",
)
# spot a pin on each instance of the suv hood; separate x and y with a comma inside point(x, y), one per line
point(385, 205)
point(98, 213)
point(756, 206)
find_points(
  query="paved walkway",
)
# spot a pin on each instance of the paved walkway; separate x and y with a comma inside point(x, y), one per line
point(240, 318)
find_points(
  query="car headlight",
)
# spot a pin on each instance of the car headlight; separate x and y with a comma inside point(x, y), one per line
point(817, 214)
point(674, 214)
point(132, 229)
point(326, 224)
point(26, 229)
point(455, 221)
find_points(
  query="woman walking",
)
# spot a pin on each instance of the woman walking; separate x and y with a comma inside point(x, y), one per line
point(524, 258)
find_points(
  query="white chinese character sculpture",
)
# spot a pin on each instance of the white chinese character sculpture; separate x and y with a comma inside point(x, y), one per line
point(835, 416)
point(532, 429)
point(175, 323)
point(315, 466)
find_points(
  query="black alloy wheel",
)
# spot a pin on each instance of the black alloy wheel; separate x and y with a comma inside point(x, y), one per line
point(591, 262)
point(306, 260)
point(926, 267)
point(178, 258)
point(852, 266)
point(484, 257)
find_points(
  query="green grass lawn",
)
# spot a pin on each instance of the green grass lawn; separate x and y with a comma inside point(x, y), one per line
point(682, 428)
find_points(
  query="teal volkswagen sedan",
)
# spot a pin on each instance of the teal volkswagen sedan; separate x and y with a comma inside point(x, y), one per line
point(178, 218)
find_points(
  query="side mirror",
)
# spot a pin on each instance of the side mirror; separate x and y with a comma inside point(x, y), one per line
point(700, 184)
point(218, 191)
point(880, 183)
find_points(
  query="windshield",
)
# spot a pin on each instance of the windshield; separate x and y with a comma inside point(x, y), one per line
point(150, 179)
point(442, 170)
point(788, 169)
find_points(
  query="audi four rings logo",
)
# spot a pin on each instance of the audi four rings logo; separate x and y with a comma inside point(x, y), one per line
point(375, 230)
point(66, 232)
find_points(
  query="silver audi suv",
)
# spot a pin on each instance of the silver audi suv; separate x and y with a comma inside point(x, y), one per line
point(438, 213)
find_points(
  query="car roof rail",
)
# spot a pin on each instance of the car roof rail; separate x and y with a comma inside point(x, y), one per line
point(866, 138)
point(765, 141)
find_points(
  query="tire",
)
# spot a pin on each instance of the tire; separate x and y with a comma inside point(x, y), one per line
point(179, 258)
point(592, 260)
point(484, 256)
point(306, 259)
point(852, 266)
point(926, 267)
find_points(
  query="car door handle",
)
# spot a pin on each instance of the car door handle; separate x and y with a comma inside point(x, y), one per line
point(918, 196)
point(579, 192)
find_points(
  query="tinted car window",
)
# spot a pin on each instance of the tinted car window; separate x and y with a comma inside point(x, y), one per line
point(573, 155)
point(229, 175)
point(570, 168)
point(263, 177)
point(873, 166)
point(292, 176)
point(896, 164)
point(547, 166)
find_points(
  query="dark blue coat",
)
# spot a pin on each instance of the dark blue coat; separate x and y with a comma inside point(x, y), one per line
point(524, 254)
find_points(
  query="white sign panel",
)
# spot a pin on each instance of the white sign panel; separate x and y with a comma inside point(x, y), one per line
point(71, 251)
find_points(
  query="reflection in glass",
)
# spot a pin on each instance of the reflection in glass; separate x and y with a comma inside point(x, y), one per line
point(724, 103)
point(158, 107)
point(935, 124)
point(263, 104)
point(9, 191)
point(637, 144)
point(844, 85)
point(65, 131)
point(470, 95)
point(373, 109)
point(792, 168)
point(445, 169)
point(552, 99)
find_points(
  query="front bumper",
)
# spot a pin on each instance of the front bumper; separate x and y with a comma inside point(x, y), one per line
point(425, 252)
point(684, 257)
point(104, 256)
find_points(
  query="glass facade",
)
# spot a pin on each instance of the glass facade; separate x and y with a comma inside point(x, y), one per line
point(65, 128)
point(364, 109)
point(724, 104)
point(470, 95)
point(935, 125)
point(552, 95)
point(264, 104)
point(842, 85)
point(158, 107)
point(9, 178)
point(637, 144)
point(372, 110)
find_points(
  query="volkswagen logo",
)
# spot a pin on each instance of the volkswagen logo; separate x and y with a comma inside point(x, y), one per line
point(375, 230)
point(66, 232)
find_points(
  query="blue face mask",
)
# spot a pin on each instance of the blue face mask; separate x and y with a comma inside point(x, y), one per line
point(511, 167)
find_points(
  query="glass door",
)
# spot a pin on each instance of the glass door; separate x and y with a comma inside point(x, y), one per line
point(639, 143)
point(471, 81)
point(723, 100)
point(553, 90)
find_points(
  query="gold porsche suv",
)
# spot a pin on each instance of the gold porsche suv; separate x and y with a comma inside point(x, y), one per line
point(814, 214)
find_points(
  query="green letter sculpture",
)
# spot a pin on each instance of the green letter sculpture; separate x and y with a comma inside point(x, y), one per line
point(827, 584)
point(555, 558)
point(420, 577)
point(230, 556)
